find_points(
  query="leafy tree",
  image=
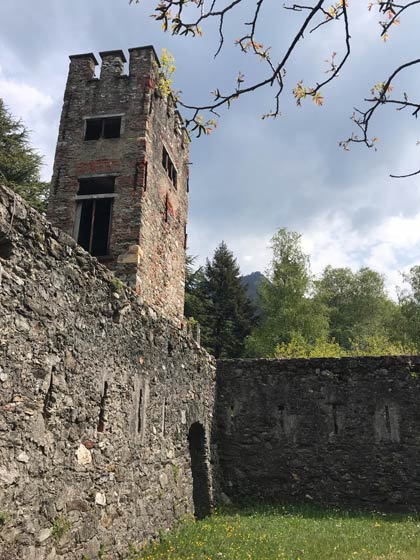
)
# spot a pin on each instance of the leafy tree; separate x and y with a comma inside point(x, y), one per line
point(380, 345)
point(409, 300)
point(373, 345)
point(298, 347)
point(288, 311)
point(316, 17)
point(217, 299)
point(357, 303)
point(19, 163)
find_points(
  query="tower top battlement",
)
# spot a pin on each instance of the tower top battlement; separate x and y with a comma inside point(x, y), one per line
point(83, 66)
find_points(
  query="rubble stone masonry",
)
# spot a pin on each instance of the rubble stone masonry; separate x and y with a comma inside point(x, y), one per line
point(331, 431)
point(111, 427)
point(105, 406)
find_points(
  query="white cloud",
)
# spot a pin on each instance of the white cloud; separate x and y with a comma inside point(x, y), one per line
point(33, 107)
point(391, 246)
point(23, 99)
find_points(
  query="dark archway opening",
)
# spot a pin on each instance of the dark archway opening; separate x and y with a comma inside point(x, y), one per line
point(200, 475)
point(5, 246)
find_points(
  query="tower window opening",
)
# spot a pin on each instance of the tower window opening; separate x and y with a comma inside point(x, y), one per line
point(169, 167)
point(6, 247)
point(93, 129)
point(105, 127)
point(93, 214)
point(96, 185)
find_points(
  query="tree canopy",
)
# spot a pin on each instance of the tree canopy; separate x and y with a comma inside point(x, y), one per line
point(339, 313)
point(287, 310)
point(217, 299)
point(20, 164)
point(409, 300)
point(357, 303)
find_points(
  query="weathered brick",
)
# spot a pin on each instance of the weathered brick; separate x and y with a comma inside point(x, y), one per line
point(139, 216)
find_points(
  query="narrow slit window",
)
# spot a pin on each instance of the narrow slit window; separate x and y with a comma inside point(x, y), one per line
point(169, 167)
point(145, 175)
point(166, 207)
point(163, 427)
point(140, 412)
point(101, 421)
point(281, 417)
point(334, 415)
point(105, 127)
point(387, 419)
point(48, 400)
point(187, 177)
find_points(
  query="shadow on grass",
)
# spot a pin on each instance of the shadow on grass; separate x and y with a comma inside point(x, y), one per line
point(312, 511)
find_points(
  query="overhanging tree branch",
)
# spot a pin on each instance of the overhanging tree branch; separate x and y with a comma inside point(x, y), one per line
point(179, 18)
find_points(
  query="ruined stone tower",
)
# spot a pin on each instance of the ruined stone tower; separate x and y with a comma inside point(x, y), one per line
point(120, 179)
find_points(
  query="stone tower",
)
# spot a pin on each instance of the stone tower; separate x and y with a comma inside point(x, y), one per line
point(120, 180)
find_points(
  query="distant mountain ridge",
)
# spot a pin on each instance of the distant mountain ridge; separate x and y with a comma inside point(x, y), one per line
point(252, 283)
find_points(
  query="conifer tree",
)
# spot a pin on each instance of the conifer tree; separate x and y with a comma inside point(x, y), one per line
point(195, 301)
point(19, 163)
point(229, 311)
point(216, 298)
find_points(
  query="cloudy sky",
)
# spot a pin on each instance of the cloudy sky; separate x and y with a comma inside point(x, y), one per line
point(251, 176)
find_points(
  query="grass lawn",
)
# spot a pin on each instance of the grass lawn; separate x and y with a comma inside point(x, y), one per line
point(290, 533)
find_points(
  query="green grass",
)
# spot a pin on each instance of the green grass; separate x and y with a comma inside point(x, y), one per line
point(61, 526)
point(290, 533)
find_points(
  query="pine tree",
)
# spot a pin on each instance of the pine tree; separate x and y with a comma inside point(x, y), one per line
point(229, 310)
point(216, 298)
point(19, 163)
point(194, 305)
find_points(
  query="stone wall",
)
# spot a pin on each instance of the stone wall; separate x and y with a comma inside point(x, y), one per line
point(104, 405)
point(332, 431)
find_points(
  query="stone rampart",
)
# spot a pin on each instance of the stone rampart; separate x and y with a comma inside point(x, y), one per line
point(105, 407)
point(332, 431)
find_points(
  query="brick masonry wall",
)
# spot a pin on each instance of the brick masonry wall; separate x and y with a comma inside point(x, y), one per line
point(164, 211)
point(98, 395)
point(332, 431)
point(147, 241)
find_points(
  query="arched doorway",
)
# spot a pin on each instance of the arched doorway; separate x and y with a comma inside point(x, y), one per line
point(200, 475)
